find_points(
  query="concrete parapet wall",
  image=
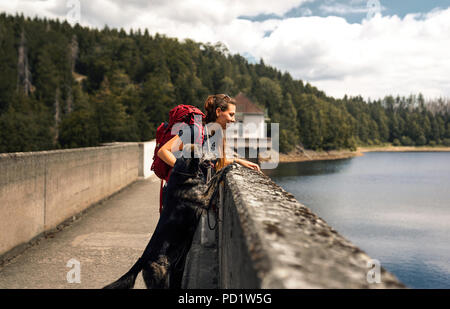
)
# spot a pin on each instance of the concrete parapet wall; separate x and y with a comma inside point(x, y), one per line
point(39, 190)
point(146, 151)
point(267, 239)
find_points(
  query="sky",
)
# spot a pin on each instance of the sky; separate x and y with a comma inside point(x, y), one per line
point(371, 48)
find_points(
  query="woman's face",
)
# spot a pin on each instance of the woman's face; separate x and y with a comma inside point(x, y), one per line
point(224, 117)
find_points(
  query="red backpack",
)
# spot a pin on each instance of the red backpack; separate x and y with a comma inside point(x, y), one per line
point(179, 117)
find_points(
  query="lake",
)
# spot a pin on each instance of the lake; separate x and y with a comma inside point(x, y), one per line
point(394, 206)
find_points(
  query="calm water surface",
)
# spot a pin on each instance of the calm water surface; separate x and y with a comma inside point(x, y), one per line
point(394, 206)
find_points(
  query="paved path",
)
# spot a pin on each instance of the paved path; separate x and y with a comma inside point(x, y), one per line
point(106, 240)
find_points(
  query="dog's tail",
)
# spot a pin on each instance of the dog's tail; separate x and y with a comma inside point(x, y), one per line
point(127, 281)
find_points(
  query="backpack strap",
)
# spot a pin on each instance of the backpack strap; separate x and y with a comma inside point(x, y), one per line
point(161, 191)
point(160, 196)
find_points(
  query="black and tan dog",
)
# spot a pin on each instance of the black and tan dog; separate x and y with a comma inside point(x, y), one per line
point(187, 196)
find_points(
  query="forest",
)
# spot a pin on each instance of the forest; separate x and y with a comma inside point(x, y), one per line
point(64, 86)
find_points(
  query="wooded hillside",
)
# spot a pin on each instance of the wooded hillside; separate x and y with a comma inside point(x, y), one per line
point(65, 87)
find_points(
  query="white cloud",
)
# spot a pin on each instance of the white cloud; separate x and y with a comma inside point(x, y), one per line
point(353, 7)
point(342, 9)
point(380, 56)
point(384, 55)
point(28, 7)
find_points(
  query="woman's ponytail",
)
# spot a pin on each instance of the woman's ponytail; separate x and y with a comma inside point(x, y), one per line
point(209, 109)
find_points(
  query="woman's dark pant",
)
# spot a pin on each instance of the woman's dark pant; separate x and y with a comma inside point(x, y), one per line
point(164, 194)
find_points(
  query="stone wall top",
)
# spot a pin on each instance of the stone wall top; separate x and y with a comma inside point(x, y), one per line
point(64, 151)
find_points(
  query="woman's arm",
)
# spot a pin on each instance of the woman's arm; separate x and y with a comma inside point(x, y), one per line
point(165, 153)
point(244, 163)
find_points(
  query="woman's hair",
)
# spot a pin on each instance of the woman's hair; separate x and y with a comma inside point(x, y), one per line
point(215, 101)
point(211, 104)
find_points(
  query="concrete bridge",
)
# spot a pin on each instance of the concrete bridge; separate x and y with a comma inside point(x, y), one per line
point(79, 218)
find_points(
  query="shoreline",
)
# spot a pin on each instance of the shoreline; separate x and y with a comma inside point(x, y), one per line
point(311, 155)
point(391, 148)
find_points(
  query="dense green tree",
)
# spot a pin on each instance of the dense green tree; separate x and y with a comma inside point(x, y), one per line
point(159, 98)
point(25, 126)
point(8, 65)
point(289, 133)
point(110, 115)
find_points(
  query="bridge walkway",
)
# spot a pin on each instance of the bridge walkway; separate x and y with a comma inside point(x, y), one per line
point(106, 240)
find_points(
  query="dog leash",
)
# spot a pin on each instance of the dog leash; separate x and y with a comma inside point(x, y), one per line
point(208, 179)
point(208, 172)
point(215, 182)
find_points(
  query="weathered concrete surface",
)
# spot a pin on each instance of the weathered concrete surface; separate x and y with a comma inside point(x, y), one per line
point(267, 239)
point(106, 240)
point(202, 265)
point(39, 190)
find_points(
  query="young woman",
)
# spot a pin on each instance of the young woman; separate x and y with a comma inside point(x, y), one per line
point(220, 109)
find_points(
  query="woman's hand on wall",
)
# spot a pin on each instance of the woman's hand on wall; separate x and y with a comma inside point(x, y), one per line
point(248, 164)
